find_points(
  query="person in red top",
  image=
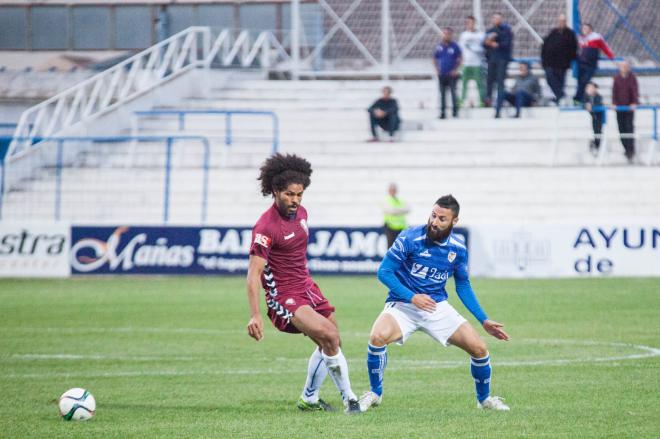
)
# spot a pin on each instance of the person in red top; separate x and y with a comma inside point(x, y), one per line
point(591, 43)
point(278, 263)
point(626, 92)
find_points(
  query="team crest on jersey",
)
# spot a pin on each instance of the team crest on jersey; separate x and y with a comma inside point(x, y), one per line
point(290, 301)
point(262, 240)
point(303, 224)
point(451, 256)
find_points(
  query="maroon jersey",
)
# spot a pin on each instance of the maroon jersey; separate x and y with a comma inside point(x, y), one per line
point(282, 242)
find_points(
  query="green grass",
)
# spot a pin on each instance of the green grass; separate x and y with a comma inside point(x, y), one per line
point(169, 357)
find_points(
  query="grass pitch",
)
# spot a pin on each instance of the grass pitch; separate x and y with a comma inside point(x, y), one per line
point(169, 357)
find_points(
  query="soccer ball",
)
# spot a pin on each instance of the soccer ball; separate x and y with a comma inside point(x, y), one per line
point(77, 405)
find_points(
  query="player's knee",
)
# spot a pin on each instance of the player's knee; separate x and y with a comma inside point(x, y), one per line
point(378, 339)
point(479, 350)
point(330, 340)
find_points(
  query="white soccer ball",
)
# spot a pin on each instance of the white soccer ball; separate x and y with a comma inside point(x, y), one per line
point(77, 405)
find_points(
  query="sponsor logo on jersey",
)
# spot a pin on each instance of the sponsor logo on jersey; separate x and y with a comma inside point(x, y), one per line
point(262, 240)
point(289, 236)
point(425, 253)
point(451, 256)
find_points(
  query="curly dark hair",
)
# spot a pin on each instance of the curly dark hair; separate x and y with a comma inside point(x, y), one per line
point(279, 171)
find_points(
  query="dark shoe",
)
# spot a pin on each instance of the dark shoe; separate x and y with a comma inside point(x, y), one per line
point(310, 407)
point(593, 149)
point(442, 116)
point(352, 407)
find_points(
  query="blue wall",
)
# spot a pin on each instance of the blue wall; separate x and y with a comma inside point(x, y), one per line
point(121, 27)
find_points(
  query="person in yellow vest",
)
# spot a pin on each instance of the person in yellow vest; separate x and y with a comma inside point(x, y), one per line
point(395, 210)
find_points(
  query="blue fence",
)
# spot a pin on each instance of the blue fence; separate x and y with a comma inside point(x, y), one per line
point(182, 114)
point(603, 110)
point(168, 142)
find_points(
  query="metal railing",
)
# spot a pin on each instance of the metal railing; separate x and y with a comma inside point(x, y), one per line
point(603, 149)
point(169, 143)
point(189, 49)
point(182, 114)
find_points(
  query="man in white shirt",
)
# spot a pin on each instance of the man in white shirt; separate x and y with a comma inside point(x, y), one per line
point(471, 42)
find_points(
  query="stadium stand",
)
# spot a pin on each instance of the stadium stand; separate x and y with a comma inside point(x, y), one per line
point(501, 169)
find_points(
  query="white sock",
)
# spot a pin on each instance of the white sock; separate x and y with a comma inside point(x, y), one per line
point(338, 369)
point(316, 373)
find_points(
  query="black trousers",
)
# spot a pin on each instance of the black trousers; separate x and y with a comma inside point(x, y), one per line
point(556, 79)
point(448, 82)
point(391, 235)
point(389, 123)
point(597, 125)
point(625, 120)
point(495, 77)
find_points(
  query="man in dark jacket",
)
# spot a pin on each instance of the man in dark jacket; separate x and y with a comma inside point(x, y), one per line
point(626, 92)
point(384, 113)
point(499, 46)
point(558, 50)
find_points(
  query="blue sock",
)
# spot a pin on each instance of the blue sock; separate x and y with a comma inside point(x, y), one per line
point(480, 368)
point(376, 362)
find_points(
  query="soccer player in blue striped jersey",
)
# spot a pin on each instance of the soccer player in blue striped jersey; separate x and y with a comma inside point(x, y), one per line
point(416, 269)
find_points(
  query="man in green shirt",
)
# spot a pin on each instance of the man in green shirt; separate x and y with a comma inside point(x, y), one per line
point(395, 210)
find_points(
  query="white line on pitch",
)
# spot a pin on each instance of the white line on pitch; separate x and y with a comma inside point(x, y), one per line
point(399, 364)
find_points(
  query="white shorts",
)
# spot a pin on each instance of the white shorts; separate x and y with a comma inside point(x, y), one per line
point(439, 324)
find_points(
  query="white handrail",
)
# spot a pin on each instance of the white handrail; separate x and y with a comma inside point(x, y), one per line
point(192, 48)
point(123, 81)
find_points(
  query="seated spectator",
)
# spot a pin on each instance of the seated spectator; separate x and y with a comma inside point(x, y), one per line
point(592, 100)
point(385, 114)
point(526, 90)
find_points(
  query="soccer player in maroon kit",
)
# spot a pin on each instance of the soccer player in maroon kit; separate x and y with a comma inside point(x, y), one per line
point(278, 262)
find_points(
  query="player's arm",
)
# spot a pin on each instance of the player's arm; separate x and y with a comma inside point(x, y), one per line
point(255, 326)
point(469, 299)
point(386, 274)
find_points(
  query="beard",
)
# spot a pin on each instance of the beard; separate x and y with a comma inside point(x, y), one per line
point(437, 234)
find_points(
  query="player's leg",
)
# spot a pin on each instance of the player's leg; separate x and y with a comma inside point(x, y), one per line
point(316, 374)
point(467, 338)
point(384, 331)
point(393, 324)
point(324, 332)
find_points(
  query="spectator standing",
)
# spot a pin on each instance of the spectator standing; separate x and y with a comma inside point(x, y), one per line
point(499, 47)
point(471, 42)
point(447, 59)
point(395, 210)
point(526, 90)
point(384, 113)
point(558, 51)
point(625, 92)
point(591, 43)
point(592, 100)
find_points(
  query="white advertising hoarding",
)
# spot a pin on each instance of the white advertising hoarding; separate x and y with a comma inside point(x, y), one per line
point(34, 249)
point(565, 250)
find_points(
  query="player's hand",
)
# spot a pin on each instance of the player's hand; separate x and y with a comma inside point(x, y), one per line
point(255, 327)
point(495, 329)
point(423, 302)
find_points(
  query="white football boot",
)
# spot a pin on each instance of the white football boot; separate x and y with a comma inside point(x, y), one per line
point(493, 403)
point(369, 399)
